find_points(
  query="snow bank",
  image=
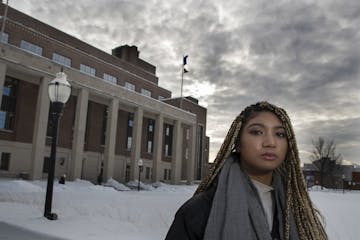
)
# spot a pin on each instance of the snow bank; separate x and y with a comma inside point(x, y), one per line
point(93, 212)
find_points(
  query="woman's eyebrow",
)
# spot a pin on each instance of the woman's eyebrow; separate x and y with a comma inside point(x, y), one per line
point(263, 125)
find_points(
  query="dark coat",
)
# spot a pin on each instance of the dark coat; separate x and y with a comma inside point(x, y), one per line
point(191, 218)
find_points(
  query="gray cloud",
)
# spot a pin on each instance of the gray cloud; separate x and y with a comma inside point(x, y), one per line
point(301, 55)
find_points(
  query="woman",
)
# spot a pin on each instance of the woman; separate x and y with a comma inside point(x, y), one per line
point(255, 188)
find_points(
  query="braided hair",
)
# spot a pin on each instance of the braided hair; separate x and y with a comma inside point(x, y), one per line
point(298, 201)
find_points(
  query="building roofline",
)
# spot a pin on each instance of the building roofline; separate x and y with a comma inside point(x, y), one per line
point(82, 51)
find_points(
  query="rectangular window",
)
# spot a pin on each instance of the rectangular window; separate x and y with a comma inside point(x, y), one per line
point(130, 86)
point(4, 38)
point(46, 165)
point(109, 78)
point(145, 92)
point(31, 47)
point(104, 125)
point(150, 135)
point(187, 134)
point(149, 146)
point(61, 59)
point(8, 104)
point(169, 174)
point(187, 153)
point(129, 130)
point(147, 172)
point(166, 150)
point(165, 174)
point(5, 161)
point(129, 143)
point(168, 140)
point(130, 123)
point(87, 69)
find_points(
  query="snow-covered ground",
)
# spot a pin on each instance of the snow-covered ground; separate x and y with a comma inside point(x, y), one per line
point(93, 212)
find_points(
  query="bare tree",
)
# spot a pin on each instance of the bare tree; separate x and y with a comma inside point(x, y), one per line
point(324, 157)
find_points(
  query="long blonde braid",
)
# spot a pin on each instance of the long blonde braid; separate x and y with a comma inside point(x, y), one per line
point(298, 201)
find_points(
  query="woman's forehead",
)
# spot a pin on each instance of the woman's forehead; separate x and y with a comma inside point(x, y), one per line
point(264, 118)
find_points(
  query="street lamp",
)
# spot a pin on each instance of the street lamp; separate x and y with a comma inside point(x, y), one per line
point(59, 92)
point(140, 165)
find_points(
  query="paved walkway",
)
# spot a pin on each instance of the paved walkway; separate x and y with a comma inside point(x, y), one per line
point(11, 232)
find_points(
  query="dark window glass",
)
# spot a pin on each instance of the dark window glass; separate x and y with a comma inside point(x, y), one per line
point(104, 123)
point(46, 165)
point(8, 104)
point(130, 122)
point(168, 129)
point(150, 136)
point(5, 161)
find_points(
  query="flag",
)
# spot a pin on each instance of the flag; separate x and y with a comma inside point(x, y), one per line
point(185, 60)
point(184, 63)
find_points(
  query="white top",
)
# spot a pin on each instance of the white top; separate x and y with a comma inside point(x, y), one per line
point(266, 200)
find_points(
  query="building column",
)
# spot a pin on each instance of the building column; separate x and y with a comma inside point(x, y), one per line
point(158, 147)
point(190, 171)
point(2, 79)
point(40, 128)
point(136, 143)
point(110, 140)
point(177, 153)
point(79, 134)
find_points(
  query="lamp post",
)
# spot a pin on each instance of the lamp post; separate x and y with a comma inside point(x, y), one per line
point(140, 165)
point(59, 92)
point(343, 178)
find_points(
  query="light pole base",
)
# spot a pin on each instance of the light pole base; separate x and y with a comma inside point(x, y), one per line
point(51, 216)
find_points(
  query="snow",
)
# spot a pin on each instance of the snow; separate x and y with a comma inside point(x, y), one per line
point(113, 211)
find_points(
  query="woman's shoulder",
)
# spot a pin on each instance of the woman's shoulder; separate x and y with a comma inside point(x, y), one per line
point(191, 218)
point(199, 203)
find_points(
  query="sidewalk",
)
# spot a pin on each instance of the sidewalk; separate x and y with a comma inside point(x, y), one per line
point(11, 232)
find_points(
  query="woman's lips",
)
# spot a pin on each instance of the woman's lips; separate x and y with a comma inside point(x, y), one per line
point(269, 156)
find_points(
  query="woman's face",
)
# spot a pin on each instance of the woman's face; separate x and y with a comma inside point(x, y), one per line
point(263, 144)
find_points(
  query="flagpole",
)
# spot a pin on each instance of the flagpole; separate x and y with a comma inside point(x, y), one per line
point(182, 83)
point(4, 19)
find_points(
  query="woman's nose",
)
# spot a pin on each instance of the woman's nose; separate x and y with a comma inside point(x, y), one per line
point(269, 141)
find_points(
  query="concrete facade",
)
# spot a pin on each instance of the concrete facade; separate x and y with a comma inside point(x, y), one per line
point(105, 128)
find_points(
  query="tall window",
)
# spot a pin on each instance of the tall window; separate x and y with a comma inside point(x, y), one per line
point(87, 69)
point(167, 174)
point(148, 173)
point(130, 86)
point(187, 134)
point(150, 135)
point(61, 59)
point(130, 124)
point(31, 47)
point(5, 161)
point(104, 124)
point(168, 140)
point(145, 92)
point(110, 78)
point(46, 165)
point(4, 38)
point(200, 140)
point(8, 104)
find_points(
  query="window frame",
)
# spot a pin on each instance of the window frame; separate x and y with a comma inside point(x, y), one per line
point(31, 47)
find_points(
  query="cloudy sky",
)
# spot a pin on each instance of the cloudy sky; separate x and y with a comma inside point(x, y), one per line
point(301, 55)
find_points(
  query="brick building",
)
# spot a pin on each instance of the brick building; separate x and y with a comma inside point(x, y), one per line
point(116, 115)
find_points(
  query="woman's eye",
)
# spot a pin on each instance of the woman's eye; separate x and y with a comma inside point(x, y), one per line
point(281, 134)
point(256, 132)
